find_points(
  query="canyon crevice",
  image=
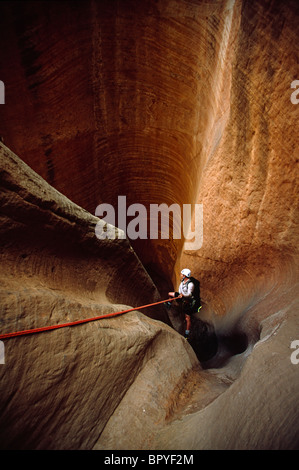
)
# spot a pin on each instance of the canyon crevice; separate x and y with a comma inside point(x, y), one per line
point(164, 102)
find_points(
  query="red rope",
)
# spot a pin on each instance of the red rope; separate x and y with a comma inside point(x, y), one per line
point(78, 322)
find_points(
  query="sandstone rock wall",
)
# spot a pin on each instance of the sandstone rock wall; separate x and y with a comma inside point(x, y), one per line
point(118, 113)
point(163, 102)
point(249, 186)
point(59, 388)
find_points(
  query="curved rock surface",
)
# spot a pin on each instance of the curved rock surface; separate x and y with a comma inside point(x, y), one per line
point(163, 102)
point(55, 271)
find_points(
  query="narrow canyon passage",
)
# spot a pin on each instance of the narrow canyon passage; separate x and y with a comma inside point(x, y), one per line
point(177, 102)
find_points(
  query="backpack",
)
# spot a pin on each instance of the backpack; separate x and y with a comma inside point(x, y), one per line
point(195, 302)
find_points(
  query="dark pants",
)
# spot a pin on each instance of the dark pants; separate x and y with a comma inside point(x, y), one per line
point(190, 307)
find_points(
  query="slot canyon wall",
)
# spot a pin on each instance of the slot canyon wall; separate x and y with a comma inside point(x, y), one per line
point(168, 101)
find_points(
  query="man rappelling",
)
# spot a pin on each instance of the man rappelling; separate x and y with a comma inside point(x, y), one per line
point(189, 292)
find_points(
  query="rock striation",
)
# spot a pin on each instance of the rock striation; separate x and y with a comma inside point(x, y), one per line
point(162, 102)
point(54, 270)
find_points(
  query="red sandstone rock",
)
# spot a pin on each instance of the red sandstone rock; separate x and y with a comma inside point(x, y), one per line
point(167, 102)
point(59, 388)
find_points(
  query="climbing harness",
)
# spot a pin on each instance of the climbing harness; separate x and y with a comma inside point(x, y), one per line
point(77, 322)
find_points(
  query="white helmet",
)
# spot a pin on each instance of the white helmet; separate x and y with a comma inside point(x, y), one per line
point(186, 272)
